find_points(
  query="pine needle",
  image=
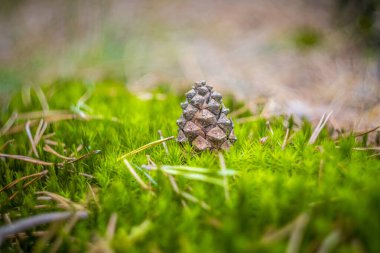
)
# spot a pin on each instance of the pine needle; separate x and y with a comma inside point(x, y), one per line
point(149, 145)
point(23, 178)
point(322, 122)
point(30, 222)
point(135, 175)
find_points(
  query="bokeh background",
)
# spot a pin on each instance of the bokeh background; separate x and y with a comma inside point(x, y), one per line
point(301, 57)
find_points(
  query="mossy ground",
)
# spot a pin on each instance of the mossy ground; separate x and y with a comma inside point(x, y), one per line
point(335, 191)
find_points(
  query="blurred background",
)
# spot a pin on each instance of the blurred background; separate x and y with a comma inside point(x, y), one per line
point(300, 56)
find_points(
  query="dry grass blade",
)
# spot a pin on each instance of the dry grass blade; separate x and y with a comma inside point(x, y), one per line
point(6, 144)
point(135, 175)
point(42, 173)
point(30, 222)
point(330, 242)
point(66, 203)
point(247, 119)
point(40, 131)
point(111, 227)
point(285, 139)
point(48, 119)
point(365, 149)
point(23, 187)
point(66, 230)
point(297, 234)
point(225, 180)
point(361, 133)
point(193, 199)
point(50, 150)
point(322, 122)
point(41, 114)
point(8, 124)
point(48, 136)
point(94, 152)
point(149, 145)
point(239, 111)
point(27, 159)
point(164, 143)
point(30, 137)
point(8, 221)
point(42, 98)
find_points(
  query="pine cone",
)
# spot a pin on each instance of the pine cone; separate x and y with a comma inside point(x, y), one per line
point(204, 123)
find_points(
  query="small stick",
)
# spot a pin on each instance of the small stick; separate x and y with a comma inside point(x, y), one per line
point(149, 145)
point(27, 128)
point(164, 143)
point(30, 222)
point(136, 176)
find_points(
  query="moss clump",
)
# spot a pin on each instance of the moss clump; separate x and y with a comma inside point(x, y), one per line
point(333, 191)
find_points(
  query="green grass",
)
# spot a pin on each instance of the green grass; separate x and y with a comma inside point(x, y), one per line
point(334, 190)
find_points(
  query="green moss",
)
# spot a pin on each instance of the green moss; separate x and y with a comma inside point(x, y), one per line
point(337, 187)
